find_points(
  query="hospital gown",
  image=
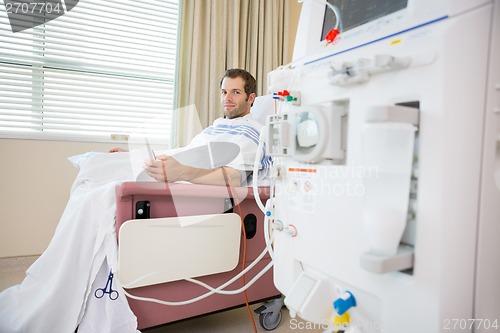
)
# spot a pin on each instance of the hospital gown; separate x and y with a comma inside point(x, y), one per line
point(58, 294)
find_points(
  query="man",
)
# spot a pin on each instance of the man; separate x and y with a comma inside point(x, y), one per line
point(237, 92)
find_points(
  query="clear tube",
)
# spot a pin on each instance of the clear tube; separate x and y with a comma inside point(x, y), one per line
point(218, 290)
point(211, 292)
point(336, 11)
point(267, 236)
point(256, 164)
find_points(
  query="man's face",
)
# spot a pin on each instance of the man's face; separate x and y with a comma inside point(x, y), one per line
point(235, 101)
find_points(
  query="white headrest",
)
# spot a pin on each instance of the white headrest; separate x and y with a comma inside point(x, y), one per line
point(263, 106)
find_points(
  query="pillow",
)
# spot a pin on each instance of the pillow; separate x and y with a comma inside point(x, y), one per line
point(263, 106)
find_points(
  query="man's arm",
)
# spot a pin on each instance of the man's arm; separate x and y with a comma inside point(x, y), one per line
point(167, 168)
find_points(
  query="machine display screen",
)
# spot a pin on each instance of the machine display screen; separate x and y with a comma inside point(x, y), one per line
point(357, 12)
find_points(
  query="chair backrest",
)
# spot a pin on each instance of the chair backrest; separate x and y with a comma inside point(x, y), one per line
point(263, 106)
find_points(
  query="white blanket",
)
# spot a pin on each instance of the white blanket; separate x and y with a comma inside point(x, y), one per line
point(58, 293)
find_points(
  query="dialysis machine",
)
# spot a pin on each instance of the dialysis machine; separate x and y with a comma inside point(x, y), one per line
point(386, 176)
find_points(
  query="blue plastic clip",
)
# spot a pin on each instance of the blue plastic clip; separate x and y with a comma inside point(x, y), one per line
point(344, 303)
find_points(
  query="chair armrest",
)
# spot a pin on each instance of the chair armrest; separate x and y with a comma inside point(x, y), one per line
point(181, 199)
point(127, 189)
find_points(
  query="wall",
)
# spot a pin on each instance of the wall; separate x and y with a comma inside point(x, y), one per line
point(35, 178)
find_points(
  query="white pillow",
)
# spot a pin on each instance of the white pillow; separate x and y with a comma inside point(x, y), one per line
point(263, 106)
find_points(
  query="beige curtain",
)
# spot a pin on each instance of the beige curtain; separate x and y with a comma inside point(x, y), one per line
point(222, 34)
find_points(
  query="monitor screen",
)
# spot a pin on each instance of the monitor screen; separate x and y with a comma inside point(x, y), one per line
point(357, 12)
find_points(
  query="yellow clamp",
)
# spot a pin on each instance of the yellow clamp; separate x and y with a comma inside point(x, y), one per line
point(341, 322)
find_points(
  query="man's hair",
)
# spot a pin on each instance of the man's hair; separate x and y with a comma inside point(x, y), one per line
point(250, 83)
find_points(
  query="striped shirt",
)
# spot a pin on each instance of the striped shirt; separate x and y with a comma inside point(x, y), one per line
point(242, 131)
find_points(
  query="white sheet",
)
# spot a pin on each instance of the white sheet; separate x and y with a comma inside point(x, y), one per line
point(53, 296)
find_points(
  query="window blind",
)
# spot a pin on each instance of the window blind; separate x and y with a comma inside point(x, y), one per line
point(104, 69)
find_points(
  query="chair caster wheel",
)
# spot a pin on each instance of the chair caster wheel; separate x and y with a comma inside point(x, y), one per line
point(269, 320)
point(270, 314)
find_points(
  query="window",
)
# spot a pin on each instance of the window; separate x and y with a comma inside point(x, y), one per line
point(103, 68)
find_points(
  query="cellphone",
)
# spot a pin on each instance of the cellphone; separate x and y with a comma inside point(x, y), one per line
point(151, 152)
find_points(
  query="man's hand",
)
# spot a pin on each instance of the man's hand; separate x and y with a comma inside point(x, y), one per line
point(167, 168)
point(117, 150)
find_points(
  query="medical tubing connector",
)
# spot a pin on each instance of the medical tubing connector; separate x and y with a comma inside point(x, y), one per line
point(344, 302)
point(290, 230)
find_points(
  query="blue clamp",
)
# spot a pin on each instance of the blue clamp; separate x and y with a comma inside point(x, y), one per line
point(344, 303)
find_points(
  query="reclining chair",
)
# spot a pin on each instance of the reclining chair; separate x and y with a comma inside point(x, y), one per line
point(140, 201)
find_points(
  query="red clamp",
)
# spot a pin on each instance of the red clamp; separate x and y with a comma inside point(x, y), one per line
point(331, 36)
point(283, 93)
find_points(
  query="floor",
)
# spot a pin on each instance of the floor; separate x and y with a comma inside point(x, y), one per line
point(12, 271)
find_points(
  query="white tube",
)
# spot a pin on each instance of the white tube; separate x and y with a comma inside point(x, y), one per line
point(267, 236)
point(212, 290)
point(256, 165)
point(336, 11)
point(237, 291)
point(263, 253)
